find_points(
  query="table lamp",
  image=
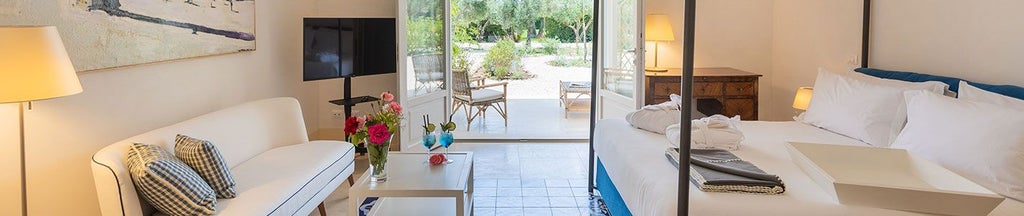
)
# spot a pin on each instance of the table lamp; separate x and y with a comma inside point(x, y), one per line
point(658, 28)
point(33, 66)
point(803, 98)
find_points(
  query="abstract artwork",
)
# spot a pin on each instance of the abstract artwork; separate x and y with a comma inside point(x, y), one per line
point(101, 34)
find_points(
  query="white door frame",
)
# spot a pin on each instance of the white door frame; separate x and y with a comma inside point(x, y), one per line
point(438, 103)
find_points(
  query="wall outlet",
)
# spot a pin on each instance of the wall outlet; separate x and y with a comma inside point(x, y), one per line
point(853, 60)
point(338, 113)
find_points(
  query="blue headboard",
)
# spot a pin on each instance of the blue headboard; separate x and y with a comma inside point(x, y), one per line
point(954, 83)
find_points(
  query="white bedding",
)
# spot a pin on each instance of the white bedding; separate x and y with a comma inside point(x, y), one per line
point(637, 166)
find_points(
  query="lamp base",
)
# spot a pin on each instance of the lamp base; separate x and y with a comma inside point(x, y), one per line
point(655, 69)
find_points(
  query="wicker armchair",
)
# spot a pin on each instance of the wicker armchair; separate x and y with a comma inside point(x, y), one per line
point(466, 94)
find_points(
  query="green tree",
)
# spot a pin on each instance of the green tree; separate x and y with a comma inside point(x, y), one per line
point(473, 15)
point(578, 16)
point(515, 16)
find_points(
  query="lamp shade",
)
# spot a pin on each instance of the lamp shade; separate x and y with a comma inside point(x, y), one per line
point(803, 98)
point(34, 65)
point(658, 27)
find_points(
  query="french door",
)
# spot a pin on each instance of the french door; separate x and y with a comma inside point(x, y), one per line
point(621, 55)
point(423, 71)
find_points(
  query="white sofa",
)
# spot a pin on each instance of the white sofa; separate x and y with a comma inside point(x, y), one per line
point(277, 169)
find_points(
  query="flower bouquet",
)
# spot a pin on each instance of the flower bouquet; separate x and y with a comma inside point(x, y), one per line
point(376, 130)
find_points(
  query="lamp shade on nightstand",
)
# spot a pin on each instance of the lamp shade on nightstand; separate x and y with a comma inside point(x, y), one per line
point(803, 98)
point(34, 65)
point(658, 27)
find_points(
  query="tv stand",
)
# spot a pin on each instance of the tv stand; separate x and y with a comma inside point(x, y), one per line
point(348, 101)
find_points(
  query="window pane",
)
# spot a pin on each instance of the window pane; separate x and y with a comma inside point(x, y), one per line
point(426, 47)
point(620, 34)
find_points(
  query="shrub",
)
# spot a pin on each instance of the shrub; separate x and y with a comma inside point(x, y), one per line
point(460, 59)
point(503, 61)
point(549, 46)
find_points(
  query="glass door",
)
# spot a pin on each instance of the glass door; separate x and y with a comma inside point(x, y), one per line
point(424, 72)
point(621, 57)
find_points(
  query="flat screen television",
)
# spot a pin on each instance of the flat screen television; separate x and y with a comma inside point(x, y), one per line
point(348, 47)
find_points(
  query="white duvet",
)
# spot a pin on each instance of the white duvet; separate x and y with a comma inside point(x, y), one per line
point(648, 183)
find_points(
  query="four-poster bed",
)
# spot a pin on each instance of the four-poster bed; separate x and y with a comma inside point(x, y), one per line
point(629, 171)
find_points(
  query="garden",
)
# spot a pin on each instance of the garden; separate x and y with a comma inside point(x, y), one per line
point(532, 44)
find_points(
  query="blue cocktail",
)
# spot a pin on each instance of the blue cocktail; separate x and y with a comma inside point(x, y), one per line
point(446, 140)
point(429, 140)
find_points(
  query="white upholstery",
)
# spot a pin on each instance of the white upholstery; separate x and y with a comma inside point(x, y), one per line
point(483, 95)
point(266, 145)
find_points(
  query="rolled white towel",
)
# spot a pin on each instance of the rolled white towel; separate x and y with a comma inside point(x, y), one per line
point(715, 132)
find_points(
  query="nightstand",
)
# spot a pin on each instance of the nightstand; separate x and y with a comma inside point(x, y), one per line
point(725, 91)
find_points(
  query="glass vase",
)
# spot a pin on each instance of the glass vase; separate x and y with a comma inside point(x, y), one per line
point(378, 154)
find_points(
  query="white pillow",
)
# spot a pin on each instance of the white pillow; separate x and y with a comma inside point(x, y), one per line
point(969, 92)
point(981, 141)
point(862, 107)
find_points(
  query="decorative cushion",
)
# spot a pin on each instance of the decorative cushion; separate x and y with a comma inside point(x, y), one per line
point(483, 95)
point(204, 158)
point(861, 107)
point(910, 77)
point(1008, 90)
point(167, 183)
point(980, 141)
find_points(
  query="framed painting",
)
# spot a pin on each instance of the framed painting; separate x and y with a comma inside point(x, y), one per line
point(100, 34)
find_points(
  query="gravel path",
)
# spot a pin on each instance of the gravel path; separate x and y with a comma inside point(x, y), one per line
point(544, 84)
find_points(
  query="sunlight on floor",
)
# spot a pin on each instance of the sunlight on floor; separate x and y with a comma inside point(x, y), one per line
point(527, 119)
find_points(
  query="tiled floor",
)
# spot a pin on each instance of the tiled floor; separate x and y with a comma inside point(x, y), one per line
point(518, 179)
point(527, 119)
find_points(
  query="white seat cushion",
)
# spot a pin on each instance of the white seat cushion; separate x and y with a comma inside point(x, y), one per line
point(273, 182)
point(484, 95)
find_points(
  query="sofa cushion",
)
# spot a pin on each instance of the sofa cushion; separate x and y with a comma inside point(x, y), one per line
point(204, 158)
point(167, 183)
point(283, 180)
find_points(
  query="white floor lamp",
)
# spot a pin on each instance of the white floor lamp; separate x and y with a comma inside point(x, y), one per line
point(33, 66)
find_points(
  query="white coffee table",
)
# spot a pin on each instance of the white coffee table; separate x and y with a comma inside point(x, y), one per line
point(410, 177)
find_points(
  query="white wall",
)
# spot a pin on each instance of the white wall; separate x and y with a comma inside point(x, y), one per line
point(62, 134)
point(329, 126)
point(809, 34)
point(734, 33)
point(975, 40)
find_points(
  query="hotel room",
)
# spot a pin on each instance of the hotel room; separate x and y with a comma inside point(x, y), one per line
point(342, 107)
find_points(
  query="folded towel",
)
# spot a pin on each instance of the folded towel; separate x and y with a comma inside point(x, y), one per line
point(715, 132)
point(721, 171)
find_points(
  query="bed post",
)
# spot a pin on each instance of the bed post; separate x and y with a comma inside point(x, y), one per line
point(686, 87)
point(593, 96)
point(865, 34)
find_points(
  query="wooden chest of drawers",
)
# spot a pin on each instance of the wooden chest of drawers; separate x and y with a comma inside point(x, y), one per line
point(724, 91)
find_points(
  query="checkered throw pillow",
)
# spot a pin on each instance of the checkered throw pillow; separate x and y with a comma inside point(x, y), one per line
point(168, 184)
point(203, 156)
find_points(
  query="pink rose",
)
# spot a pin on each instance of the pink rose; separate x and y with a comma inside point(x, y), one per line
point(379, 134)
point(387, 96)
point(362, 121)
point(395, 107)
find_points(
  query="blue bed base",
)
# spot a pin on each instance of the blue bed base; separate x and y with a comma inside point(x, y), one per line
point(612, 198)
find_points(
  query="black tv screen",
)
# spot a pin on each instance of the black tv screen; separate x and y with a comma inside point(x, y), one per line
point(348, 47)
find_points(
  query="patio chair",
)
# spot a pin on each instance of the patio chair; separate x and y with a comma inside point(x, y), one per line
point(428, 71)
point(467, 95)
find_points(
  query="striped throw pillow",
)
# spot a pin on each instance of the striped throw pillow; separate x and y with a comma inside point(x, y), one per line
point(168, 184)
point(202, 156)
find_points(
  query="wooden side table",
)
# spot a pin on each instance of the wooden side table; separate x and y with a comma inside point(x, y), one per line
point(733, 91)
point(575, 103)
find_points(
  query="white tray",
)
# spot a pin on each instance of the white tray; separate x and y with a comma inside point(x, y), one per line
point(891, 179)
